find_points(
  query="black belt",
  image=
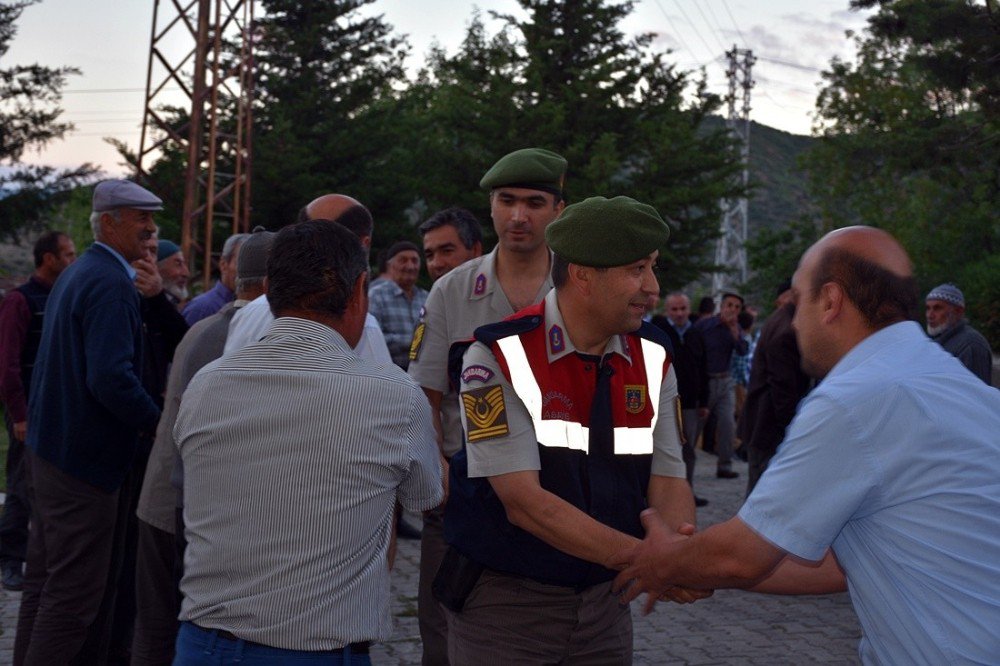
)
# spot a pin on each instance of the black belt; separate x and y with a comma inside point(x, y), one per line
point(356, 648)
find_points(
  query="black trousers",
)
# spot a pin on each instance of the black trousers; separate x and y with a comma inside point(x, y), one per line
point(16, 508)
point(73, 579)
point(158, 598)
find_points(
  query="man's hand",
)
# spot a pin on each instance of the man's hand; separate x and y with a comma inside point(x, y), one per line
point(147, 278)
point(647, 565)
point(21, 430)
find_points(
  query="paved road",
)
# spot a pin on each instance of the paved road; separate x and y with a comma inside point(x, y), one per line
point(730, 628)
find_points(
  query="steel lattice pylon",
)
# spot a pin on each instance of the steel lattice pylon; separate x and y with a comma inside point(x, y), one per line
point(730, 250)
point(214, 71)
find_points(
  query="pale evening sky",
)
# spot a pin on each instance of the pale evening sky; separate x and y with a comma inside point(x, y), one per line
point(109, 41)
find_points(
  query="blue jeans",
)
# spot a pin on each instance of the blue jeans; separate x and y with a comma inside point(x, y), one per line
point(204, 647)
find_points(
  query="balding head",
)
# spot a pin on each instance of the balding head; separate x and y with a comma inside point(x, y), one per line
point(343, 209)
point(850, 284)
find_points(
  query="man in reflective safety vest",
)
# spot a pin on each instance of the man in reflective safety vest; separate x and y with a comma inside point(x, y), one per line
point(570, 415)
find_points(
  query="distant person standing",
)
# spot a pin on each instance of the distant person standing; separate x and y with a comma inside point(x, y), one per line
point(88, 373)
point(21, 315)
point(690, 365)
point(224, 291)
point(777, 385)
point(946, 324)
point(398, 303)
point(722, 339)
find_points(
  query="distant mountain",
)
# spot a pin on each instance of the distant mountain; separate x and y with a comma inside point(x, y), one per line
point(780, 189)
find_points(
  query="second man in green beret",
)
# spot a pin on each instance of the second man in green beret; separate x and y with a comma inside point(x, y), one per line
point(570, 416)
point(526, 195)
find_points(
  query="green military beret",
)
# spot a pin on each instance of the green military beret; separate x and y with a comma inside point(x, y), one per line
point(532, 168)
point(607, 232)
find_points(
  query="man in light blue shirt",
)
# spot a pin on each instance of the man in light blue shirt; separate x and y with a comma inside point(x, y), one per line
point(887, 483)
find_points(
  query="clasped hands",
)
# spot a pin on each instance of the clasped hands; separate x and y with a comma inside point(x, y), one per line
point(645, 567)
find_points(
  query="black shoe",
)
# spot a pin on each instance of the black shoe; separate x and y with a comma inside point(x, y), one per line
point(700, 501)
point(13, 579)
point(727, 474)
point(406, 531)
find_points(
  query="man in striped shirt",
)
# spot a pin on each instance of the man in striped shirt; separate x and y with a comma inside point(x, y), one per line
point(295, 452)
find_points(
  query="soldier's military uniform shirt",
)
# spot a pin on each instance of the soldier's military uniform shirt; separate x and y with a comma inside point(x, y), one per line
point(466, 298)
point(517, 450)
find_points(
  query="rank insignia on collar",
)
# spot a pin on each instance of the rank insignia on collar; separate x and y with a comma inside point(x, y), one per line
point(418, 338)
point(485, 413)
point(480, 287)
point(635, 398)
point(556, 341)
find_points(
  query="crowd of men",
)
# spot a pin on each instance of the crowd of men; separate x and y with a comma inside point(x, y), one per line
point(221, 479)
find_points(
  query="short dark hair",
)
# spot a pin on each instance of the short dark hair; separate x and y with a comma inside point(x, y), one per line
point(313, 266)
point(469, 230)
point(47, 243)
point(744, 320)
point(882, 297)
point(706, 305)
point(732, 294)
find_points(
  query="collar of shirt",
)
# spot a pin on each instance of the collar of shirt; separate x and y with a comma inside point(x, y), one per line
point(873, 346)
point(558, 342)
point(486, 276)
point(681, 330)
point(114, 253)
point(305, 329)
point(224, 292)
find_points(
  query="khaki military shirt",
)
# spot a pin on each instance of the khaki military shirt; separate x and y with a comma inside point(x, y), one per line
point(466, 298)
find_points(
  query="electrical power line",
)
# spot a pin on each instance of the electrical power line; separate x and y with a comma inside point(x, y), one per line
point(693, 27)
point(793, 65)
point(736, 25)
point(677, 34)
point(722, 47)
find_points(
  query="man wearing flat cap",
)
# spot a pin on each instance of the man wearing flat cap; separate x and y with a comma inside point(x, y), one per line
point(570, 413)
point(526, 195)
point(946, 324)
point(88, 407)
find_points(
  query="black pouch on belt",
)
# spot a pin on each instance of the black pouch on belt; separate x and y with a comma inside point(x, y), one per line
point(455, 579)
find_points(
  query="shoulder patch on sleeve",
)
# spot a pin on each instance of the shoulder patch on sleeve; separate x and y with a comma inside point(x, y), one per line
point(418, 338)
point(485, 413)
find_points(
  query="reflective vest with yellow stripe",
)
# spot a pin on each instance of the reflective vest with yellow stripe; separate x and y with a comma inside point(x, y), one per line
point(610, 486)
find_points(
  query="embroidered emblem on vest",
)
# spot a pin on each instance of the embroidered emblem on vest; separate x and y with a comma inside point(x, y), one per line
point(635, 398)
point(479, 373)
point(480, 287)
point(485, 413)
point(556, 341)
point(418, 338)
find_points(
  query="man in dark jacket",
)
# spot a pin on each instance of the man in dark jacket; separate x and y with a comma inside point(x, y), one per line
point(691, 367)
point(946, 324)
point(777, 384)
point(87, 408)
point(21, 315)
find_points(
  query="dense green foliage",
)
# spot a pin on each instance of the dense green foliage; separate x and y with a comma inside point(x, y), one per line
point(910, 142)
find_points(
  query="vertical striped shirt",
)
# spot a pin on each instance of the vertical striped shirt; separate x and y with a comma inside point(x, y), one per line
point(295, 451)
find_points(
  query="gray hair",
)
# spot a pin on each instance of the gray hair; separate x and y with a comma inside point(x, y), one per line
point(233, 244)
point(95, 221)
point(244, 284)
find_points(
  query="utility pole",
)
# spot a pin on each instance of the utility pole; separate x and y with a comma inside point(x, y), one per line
point(730, 250)
point(203, 47)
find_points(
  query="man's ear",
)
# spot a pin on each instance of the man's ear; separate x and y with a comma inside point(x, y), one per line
point(265, 283)
point(359, 294)
point(832, 300)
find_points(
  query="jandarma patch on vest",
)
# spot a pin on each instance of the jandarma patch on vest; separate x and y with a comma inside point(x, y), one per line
point(477, 373)
point(485, 413)
point(635, 398)
point(418, 337)
point(480, 287)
